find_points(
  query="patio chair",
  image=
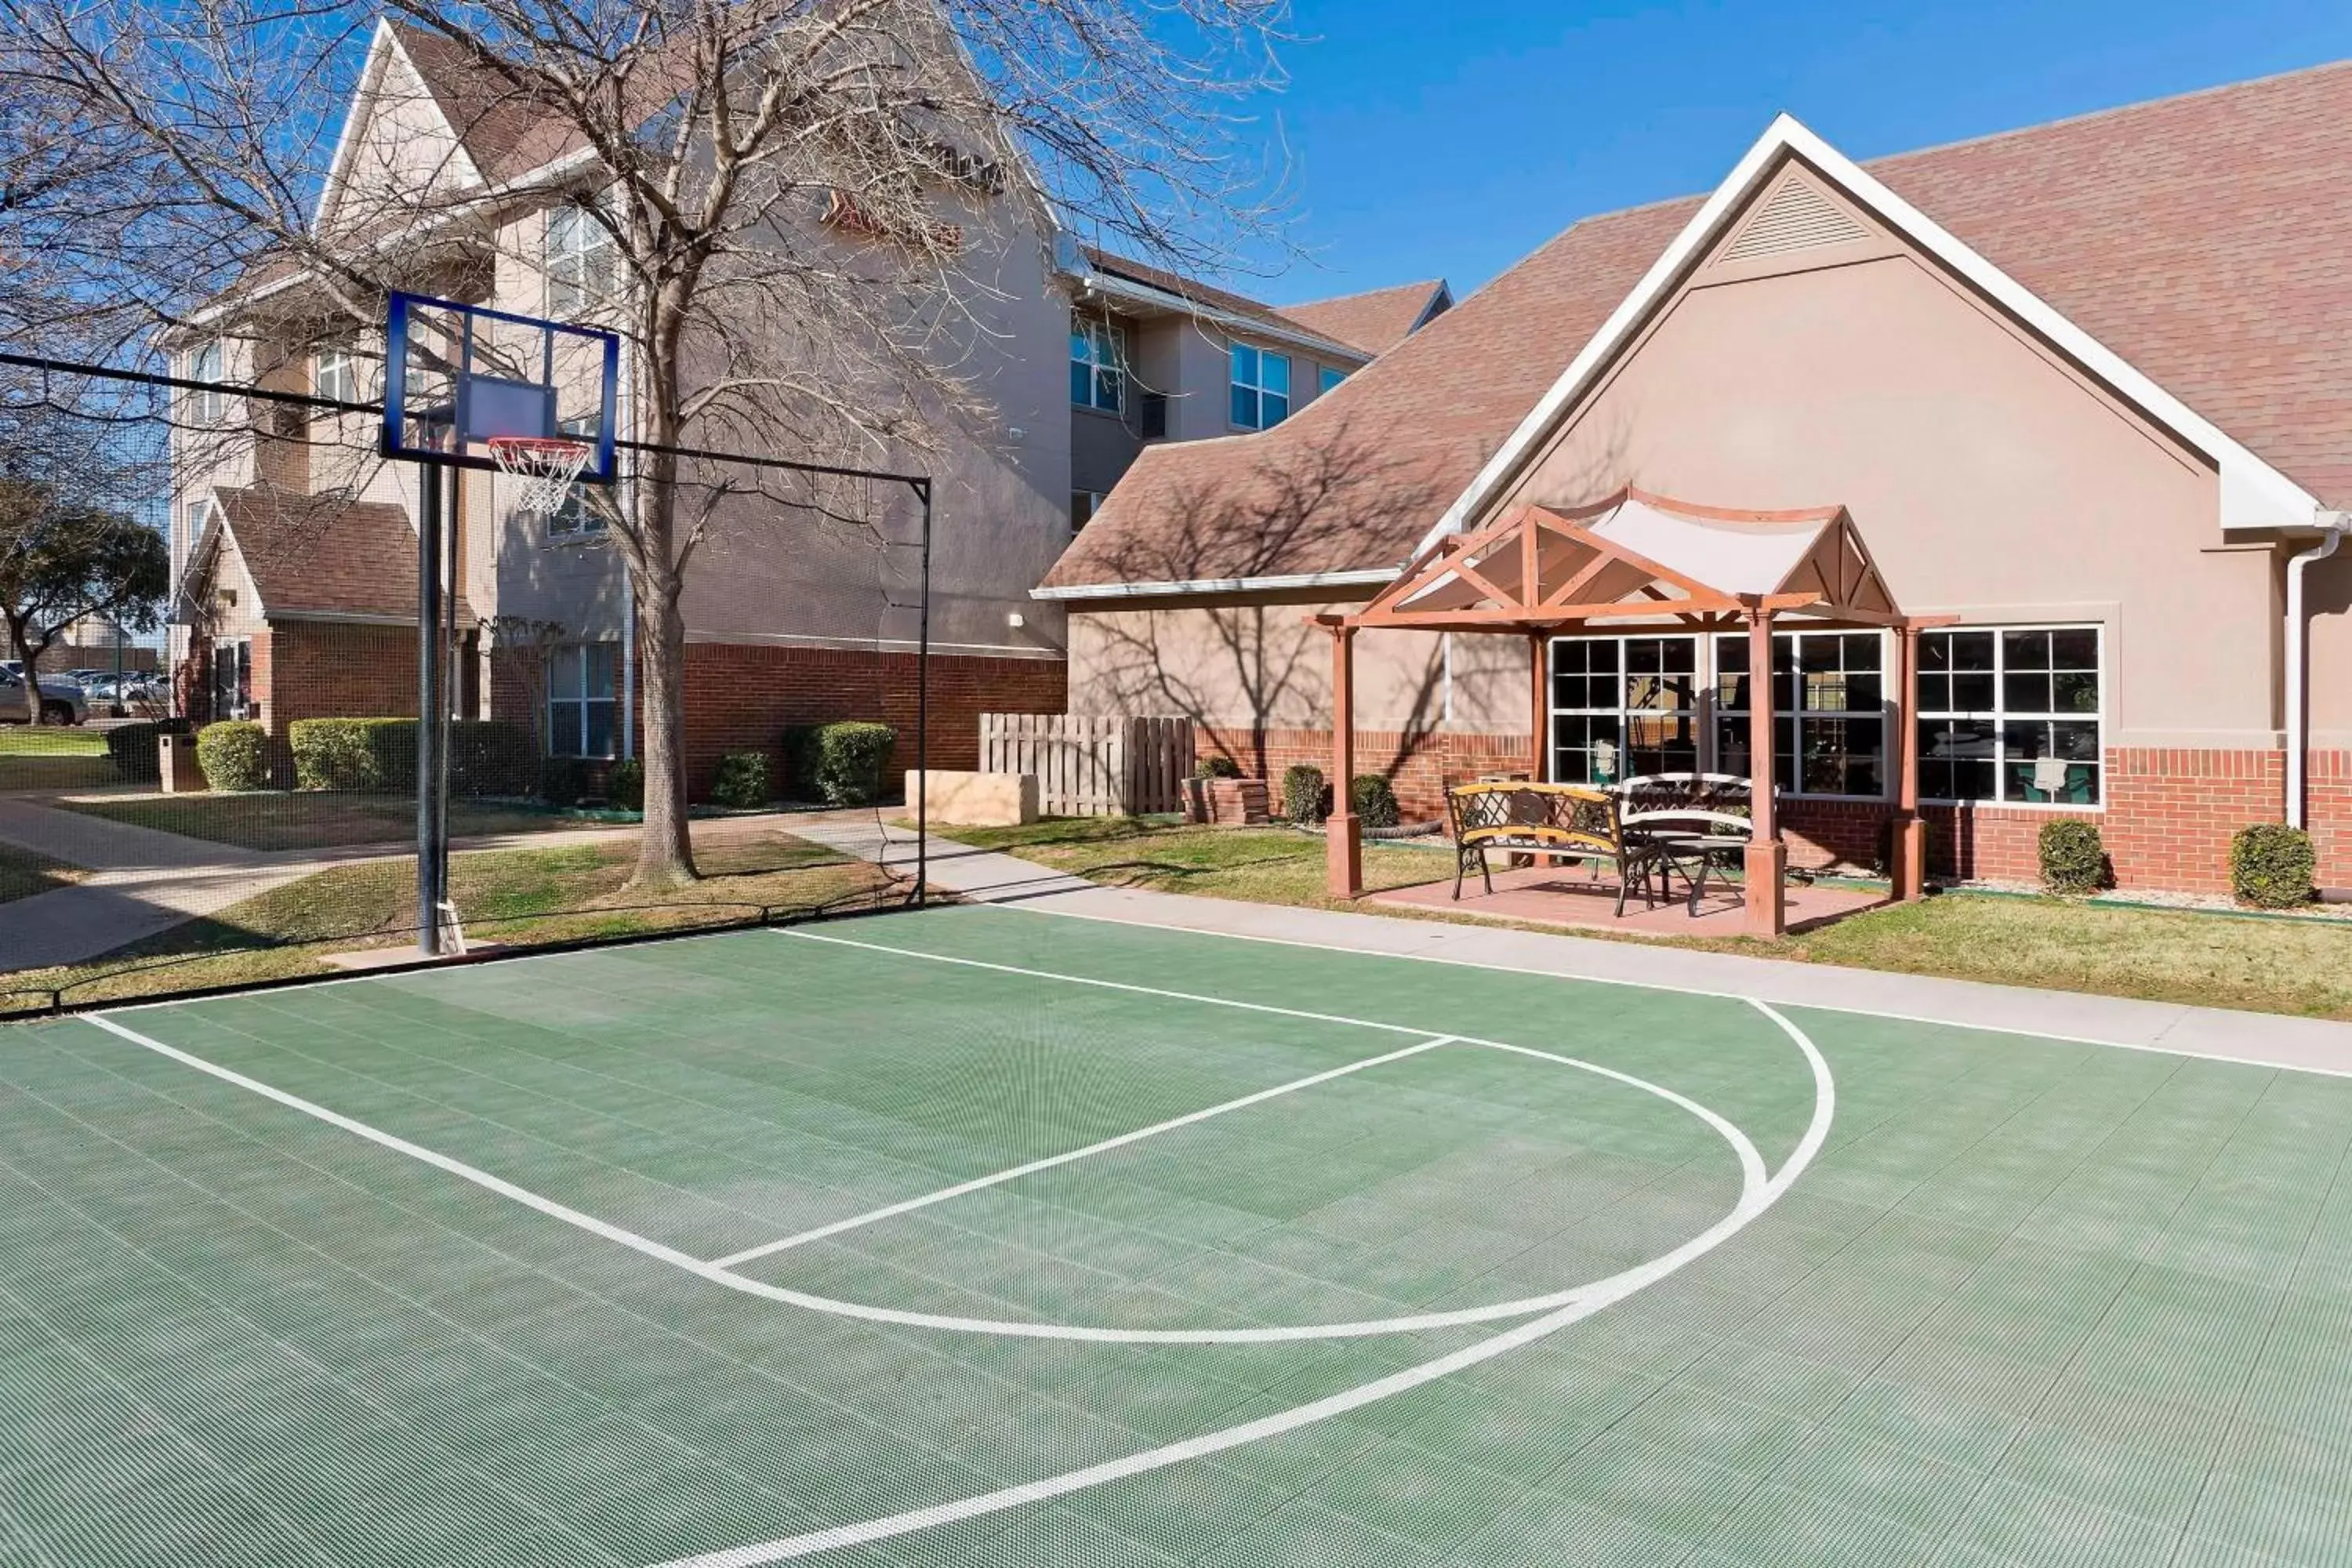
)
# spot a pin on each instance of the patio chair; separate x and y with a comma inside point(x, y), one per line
point(1690, 820)
point(1566, 822)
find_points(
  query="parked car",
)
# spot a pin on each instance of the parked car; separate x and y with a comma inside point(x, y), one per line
point(62, 701)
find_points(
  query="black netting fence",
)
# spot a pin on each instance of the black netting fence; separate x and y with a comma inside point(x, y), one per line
point(211, 779)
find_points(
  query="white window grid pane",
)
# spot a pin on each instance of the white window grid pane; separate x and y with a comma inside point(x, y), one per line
point(1797, 704)
point(1635, 698)
point(2037, 647)
point(1259, 389)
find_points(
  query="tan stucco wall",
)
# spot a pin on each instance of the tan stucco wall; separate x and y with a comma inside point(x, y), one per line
point(1988, 478)
point(1264, 666)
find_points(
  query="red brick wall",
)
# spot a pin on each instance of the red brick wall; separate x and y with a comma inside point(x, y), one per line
point(739, 697)
point(2169, 813)
point(319, 670)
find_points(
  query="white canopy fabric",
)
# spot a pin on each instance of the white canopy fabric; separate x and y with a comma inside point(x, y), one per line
point(1740, 557)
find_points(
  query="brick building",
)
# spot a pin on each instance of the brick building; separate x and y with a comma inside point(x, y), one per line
point(2085, 391)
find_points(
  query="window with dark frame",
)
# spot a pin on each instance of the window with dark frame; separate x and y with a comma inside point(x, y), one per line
point(1084, 504)
point(2011, 715)
point(582, 700)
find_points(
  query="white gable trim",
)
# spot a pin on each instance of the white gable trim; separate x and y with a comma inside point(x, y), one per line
point(2253, 494)
point(381, 50)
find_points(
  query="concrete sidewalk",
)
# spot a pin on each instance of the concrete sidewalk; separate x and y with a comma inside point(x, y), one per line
point(2263, 1038)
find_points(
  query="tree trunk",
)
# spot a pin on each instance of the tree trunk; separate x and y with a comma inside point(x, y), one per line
point(664, 848)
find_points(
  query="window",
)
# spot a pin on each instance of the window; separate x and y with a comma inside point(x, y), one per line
point(1084, 504)
point(1098, 365)
point(1261, 387)
point(209, 365)
point(1829, 705)
point(1623, 707)
point(580, 701)
point(575, 517)
point(2011, 715)
point(233, 679)
point(1326, 378)
point(583, 263)
point(338, 372)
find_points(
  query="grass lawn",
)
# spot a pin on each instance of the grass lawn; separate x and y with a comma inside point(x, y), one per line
point(24, 873)
point(2280, 965)
point(518, 898)
point(277, 819)
point(48, 756)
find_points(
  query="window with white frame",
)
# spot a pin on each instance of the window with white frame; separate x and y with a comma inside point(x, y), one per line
point(582, 698)
point(1327, 379)
point(1098, 365)
point(1261, 387)
point(209, 364)
point(1623, 707)
point(1829, 704)
point(2012, 714)
point(582, 261)
point(575, 518)
point(340, 371)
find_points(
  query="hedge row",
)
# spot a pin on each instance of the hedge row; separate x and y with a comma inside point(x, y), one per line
point(840, 764)
point(486, 756)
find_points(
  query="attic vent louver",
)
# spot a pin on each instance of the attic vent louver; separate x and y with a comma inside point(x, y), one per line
point(1798, 218)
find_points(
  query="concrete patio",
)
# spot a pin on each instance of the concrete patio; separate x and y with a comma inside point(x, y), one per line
point(1568, 898)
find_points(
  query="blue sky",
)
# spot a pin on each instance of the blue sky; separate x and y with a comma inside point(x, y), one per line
point(1448, 138)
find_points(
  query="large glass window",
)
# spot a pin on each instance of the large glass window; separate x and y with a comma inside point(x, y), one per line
point(1098, 365)
point(1623, 707)
point(2011, 715)
point(1829, 706)
point(208, 363)
point(582, 700)
point(582, 262)
point(1261, 388)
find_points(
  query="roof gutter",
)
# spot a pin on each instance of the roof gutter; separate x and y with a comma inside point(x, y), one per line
point(1353, 579)
point(1116, 288)
point(2298, 663)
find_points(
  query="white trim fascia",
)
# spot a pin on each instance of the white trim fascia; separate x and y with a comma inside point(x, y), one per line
point(2253, 493)
point(875, 645)
point(1352, 579)
point(1114, 288)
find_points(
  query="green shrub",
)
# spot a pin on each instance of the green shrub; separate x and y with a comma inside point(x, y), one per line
point(135, 749)
point(234, 754)
point(338, 753)
point(487, 757)
point(840, 765)
point(625, 784)
point(741, 780)
point(1217, 765)
point(2073, 859)
point(1371, 799)
point(2271, 865)
point(1304, 794)
point(562, 780)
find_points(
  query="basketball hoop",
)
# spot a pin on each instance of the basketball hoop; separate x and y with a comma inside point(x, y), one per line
point(546, 467)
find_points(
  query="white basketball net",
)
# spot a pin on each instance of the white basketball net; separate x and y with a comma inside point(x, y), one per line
point(544, 468)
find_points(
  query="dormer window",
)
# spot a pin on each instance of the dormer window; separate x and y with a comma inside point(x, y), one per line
point(582, 261)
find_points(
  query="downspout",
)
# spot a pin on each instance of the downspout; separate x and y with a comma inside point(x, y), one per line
point(2298, 663)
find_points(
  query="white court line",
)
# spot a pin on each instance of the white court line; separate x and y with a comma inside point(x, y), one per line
point(1051, 1161)
point(1750, 1163)
point(1750, 1205)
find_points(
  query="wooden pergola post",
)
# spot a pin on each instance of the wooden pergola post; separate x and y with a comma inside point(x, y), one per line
point(1767, 860)
point(1343, 844)
point(1538, 705)
point(1908, 853)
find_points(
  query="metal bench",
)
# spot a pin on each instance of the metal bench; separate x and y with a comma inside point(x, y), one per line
point(1691, 821)
point(1565, 822)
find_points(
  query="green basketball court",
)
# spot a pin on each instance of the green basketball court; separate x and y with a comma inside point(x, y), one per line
point(994, 1238)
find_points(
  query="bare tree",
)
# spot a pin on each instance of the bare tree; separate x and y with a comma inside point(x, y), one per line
point(814, 207)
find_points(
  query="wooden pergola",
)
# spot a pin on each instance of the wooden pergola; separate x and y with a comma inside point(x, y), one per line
point(1644, 560)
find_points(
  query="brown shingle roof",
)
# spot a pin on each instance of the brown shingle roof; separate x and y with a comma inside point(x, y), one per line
point(1206, 295)
point(1375, 320)
point(504, 128)
point(323, 555)
point(2207, 239)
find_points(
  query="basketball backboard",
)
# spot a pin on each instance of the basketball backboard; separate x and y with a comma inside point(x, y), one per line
point(457, 376)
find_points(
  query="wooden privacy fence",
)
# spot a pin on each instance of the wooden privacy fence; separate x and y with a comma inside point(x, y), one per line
point(1092, 767)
